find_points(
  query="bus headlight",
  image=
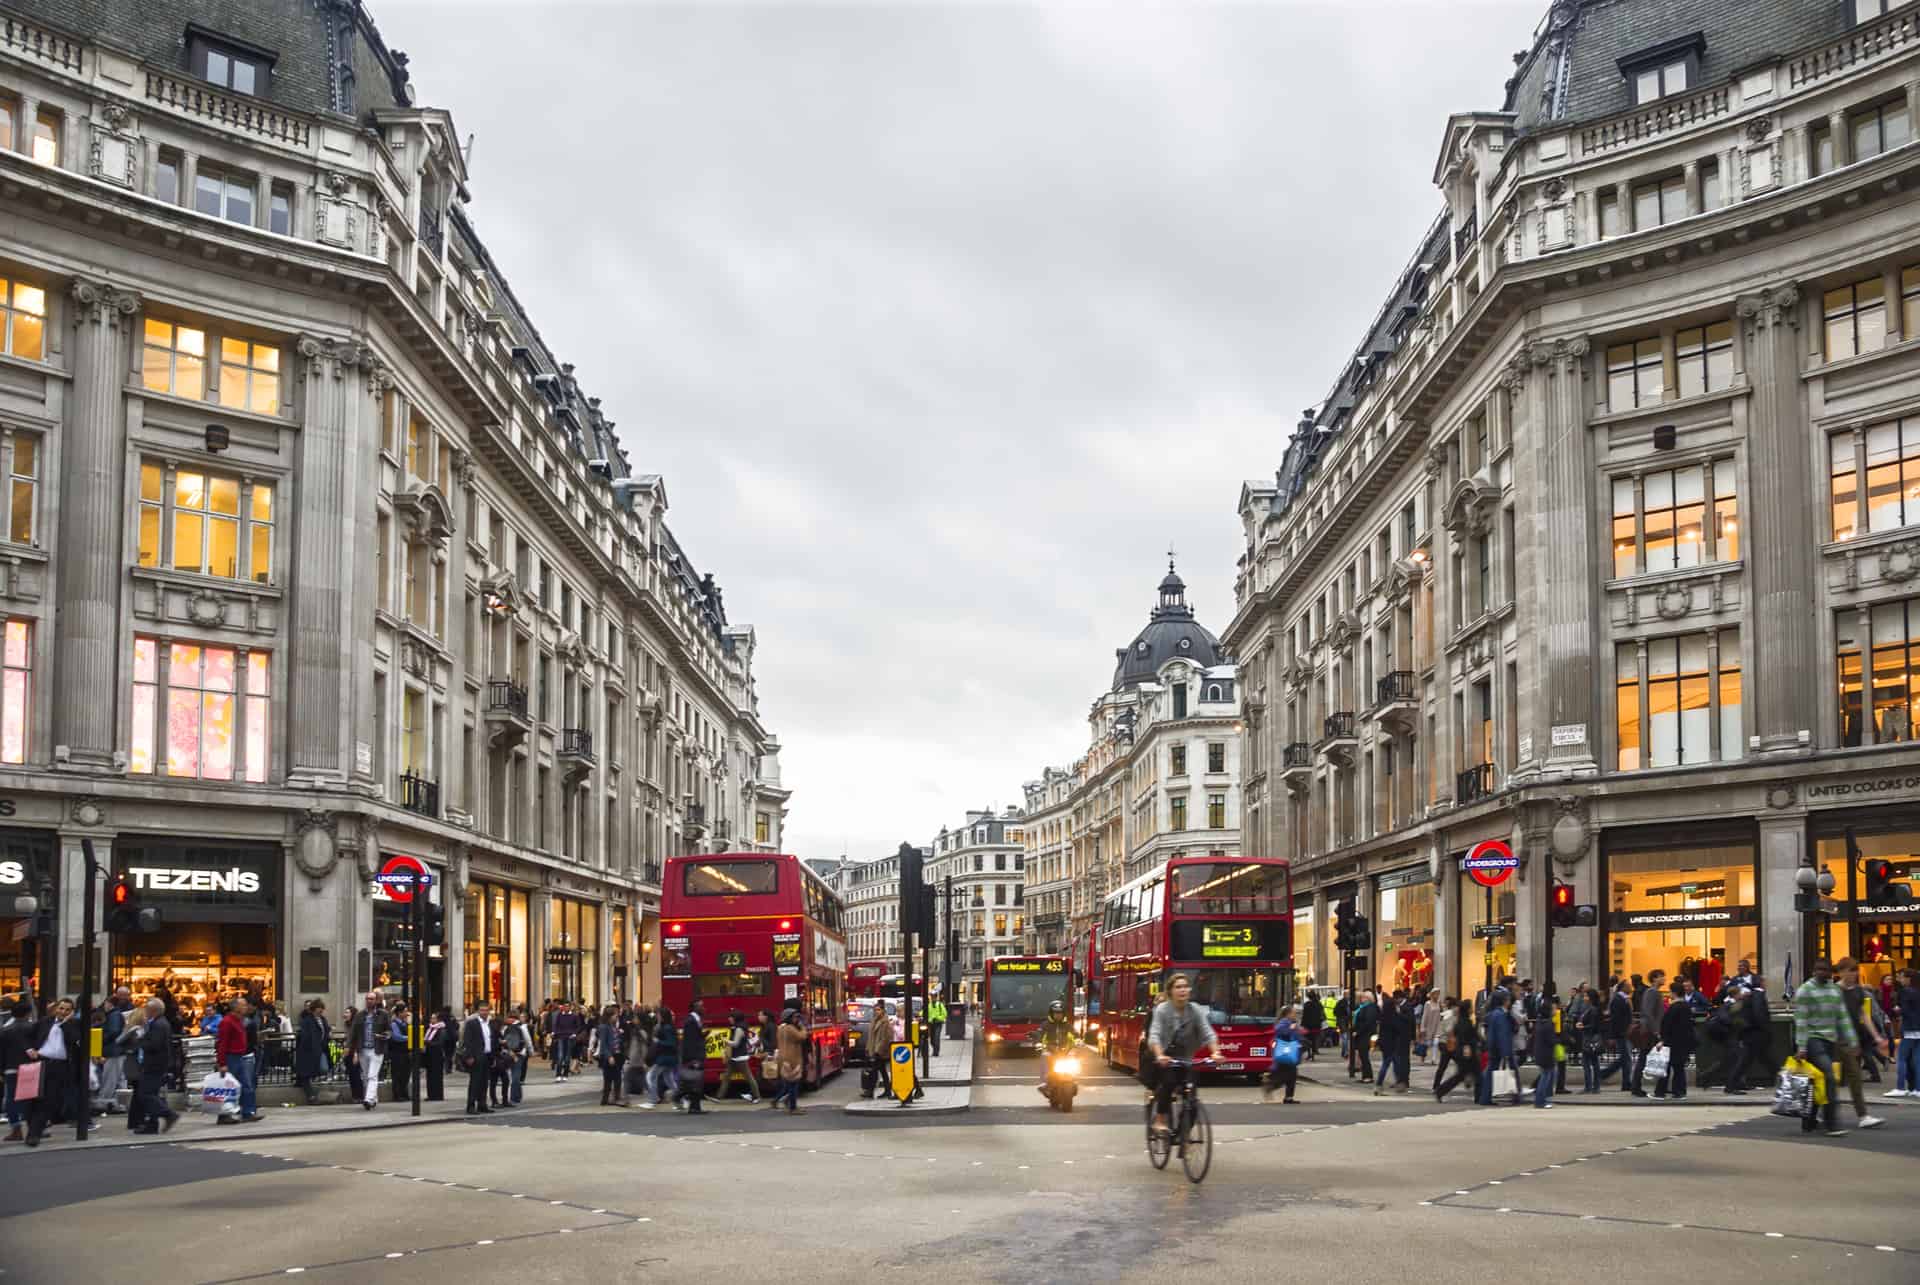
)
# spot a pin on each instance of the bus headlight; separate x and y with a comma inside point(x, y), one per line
point(1093, 1027)
point(993, 1037)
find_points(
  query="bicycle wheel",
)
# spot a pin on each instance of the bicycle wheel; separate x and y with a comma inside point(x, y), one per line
point(1159, 1146)
point(1196, 1157)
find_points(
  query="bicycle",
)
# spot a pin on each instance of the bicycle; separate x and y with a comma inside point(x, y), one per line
point(1192, 1133)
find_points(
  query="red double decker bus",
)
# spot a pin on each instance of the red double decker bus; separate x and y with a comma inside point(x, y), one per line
point(1016, 993)
point(1227, 922)
point(863, 977)
point(743, 932)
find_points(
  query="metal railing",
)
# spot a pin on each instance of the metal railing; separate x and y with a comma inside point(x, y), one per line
point(696, 814)
point(1297, 754)
point(417, 794)
point(1339, 726)
point(1394, 688)
point(576, 742)
point(431, 234)
point(1474, 784)
point(506, 697)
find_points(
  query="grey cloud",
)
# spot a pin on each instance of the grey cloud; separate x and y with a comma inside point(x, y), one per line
point(943, 321)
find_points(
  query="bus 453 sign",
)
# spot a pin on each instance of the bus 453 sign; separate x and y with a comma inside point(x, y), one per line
point(1490, 863)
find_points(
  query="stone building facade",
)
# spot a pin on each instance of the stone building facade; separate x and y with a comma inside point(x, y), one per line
point(1599, 545)
point(1160, 778)
point(319, 560)
point(986, 858)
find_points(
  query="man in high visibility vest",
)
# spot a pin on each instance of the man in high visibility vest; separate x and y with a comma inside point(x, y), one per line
point(936, 1021)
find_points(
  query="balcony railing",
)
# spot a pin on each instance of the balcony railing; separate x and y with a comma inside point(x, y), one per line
point(1394, 688)
point(697, 814)
point(1339, 726)
point(1297, 754)
point(1474, 784)
point(576, 742)
point(431, 234)
point(506, 698)
point(417, 794)
point(1463, 239)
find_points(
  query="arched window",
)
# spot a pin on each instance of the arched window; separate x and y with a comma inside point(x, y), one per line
point(1213, 691)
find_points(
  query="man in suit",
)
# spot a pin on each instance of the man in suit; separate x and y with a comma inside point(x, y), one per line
point(156, 1054)
point(476, 1057)
point(57, 1042)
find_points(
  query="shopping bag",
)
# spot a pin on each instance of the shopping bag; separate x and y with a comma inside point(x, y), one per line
point(1659, 1061)
point(220, 1094)
point(1286, 1053)
point(26, 1084)
point(1817, 1082)
point(1505, 1082)
point(1793, 1095)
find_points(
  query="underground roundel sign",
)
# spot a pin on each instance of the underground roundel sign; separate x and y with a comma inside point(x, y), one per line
point(401, 892)
point(1490, 862)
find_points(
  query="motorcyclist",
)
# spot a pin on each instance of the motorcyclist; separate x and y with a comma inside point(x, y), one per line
point(1054, 1036)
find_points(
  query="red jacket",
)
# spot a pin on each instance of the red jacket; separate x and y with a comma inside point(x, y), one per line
point(230, 1040)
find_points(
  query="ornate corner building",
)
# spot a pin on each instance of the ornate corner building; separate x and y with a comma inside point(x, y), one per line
point(1160, 778)
point(1600, 543)
point(317, 559)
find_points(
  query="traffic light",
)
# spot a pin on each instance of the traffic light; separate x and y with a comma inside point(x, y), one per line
point(433, 922)
point(121, 908)
point(125, 914)
point(1343, 926)
point(1562, 905)
point(1362, 933)
point(1882, 888)
point(1586, 915)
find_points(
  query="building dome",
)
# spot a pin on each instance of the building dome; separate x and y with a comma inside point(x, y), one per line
point(1171, 634)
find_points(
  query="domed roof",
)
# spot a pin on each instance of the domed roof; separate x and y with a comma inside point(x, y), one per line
point(1171, 633)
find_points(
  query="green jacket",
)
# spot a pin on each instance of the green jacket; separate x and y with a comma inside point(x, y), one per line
point(1056, 1035)
point(936, 1012)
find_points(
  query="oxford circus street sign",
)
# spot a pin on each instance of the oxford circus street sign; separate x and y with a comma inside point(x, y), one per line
point(1490, 863)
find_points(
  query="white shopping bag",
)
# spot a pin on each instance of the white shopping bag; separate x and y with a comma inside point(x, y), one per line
point(220, 1094)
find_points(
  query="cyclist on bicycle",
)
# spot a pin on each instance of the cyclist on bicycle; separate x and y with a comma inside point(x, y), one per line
point(1054, 1036)
point(1179, 1030)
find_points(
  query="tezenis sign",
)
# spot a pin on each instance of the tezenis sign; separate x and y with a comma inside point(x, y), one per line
point(164, 879)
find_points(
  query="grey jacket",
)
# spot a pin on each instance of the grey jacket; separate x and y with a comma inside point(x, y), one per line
point(1651, 1010)
point(1180, 1035)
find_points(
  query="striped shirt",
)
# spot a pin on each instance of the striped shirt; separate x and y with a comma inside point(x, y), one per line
point(1820, 1013)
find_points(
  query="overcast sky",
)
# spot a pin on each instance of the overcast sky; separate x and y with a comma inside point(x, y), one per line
point(943, 322)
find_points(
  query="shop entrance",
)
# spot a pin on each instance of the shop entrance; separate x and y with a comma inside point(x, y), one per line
point(1688, 910)
point(220, 909)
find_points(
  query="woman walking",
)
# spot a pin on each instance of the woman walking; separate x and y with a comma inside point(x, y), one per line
point(1546, 1050)
point(311, 1049)
point(1286, 1040)
point(792, 1060)
point(1460, 1049)
point(664, 1073)
point(609, 1055)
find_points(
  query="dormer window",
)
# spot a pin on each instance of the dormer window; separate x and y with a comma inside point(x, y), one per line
point(229, 63)
point(1665, 69)
point(1865, 11)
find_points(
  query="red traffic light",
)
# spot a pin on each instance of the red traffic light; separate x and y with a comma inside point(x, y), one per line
point(122, 893)
point(1562, 895)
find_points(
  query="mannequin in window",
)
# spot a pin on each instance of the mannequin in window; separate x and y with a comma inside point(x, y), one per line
point(1895, 724)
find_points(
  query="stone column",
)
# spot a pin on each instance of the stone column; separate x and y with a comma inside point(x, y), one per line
point(1322, 939)
point(1783, 842)
point(1780, 529)
point(1691, 177)
point(323, 715)
point(87, 572)
point(1440, 753)
point(1568, 633)
point(1446, 917)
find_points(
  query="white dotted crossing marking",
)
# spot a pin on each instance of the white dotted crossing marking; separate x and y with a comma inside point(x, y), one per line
point(396, 1255)
point(599, 1211)
point(566, 1231)
point(295, 1271)
point(1775, 1235)
point(483, 1242)
point(1886, 1249)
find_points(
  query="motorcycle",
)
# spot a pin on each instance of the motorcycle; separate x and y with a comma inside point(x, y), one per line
point(1063, 1080)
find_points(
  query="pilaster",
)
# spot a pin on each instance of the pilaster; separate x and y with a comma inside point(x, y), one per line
point(1780, 539)
point(88, 568)
point(1568, 632)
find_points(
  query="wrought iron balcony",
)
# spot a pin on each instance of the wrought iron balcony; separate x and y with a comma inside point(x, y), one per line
point(506, 714)
point(1339, 737)
point(1474, 784)
point(576, 754)
point(1299, 754)
point(1463, 239)
point(432, 236)
point(417, 794)
point(1396, 700)
point(697, 815)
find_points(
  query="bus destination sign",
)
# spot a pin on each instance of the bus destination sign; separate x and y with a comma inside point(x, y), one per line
point(1029, 965)
point(1229, 941)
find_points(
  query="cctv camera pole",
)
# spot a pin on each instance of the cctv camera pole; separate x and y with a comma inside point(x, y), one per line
point(82, 1058)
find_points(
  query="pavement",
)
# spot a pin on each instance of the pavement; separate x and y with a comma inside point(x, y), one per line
point(1009, 1191)
point(946, 1089)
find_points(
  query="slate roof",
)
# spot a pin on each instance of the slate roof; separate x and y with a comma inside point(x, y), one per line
point(1572, 72)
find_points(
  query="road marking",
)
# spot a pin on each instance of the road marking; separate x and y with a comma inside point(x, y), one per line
point(396, 1255)
point(483, 1242)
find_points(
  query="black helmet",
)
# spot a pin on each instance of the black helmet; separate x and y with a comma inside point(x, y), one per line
point(1056, 1008)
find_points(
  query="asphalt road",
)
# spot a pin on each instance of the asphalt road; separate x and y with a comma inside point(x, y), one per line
point(1008, 1192)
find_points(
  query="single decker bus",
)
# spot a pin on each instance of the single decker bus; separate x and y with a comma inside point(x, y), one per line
point(743, 932)
point(1017, 992)
point(1227, 923)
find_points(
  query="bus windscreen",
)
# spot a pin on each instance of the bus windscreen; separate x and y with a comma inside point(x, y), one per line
point(1230, 888)
point(1236, 996)
point(1024, 997)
